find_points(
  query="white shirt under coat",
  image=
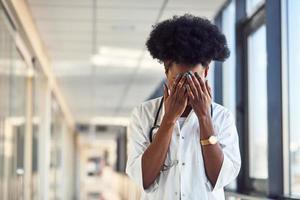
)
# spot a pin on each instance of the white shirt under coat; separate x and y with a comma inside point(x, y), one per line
point(185, 177)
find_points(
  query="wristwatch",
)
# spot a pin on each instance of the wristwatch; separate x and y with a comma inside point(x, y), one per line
point(211, 140)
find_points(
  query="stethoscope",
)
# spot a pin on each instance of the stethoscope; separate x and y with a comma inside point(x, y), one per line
point(155, 125)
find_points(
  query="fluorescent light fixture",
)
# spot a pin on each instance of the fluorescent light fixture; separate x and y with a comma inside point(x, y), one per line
point(20, 171)
point(118, 121)
point(117, 57)
point(17, 121)
point(124, 57)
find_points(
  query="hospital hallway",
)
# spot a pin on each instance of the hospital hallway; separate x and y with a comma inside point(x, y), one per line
point(72, 72)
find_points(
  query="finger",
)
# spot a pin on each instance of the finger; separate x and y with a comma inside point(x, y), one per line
point(190, 93)
point(175, 83)
point(166, 91)
point(202, 84)
point(180, 88)
point(208, 88)
point(197, 85)
point(192, 86)
point(182, 91)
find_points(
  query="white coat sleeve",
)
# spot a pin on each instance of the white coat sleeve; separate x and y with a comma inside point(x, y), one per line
point(138, 143)
point(229, 141)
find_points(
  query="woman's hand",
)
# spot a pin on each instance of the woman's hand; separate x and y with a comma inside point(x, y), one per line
point(199, 95)
point(175, 100)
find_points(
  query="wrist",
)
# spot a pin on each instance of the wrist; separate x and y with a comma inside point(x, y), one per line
point(205, 136)
point(203, 114)
point(169, 120)
point(204, 118)
point(206, 127)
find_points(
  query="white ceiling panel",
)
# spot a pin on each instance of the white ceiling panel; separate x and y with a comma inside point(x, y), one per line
point(97, 48)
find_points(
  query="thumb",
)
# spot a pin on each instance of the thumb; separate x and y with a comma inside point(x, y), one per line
point(208, 88)
point(166, 91)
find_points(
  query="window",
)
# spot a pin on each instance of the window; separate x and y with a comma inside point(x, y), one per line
point(294, 94)
point(228, 71)
point(257, 105)
point(253, 5)
point(228, 67)
point(39, 102)
point(12, 113)
point(57, 131)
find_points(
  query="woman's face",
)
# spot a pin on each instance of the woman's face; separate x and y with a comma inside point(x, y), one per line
point(176, 69)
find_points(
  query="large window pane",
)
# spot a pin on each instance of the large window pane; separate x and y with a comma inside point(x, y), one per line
point(55, 171)
point(4, 91)
point(17, 121)
point(39, 88)
point(253, 5)
point(294, 94)
point(228, 70)
point(257, 96)
point(12, 114)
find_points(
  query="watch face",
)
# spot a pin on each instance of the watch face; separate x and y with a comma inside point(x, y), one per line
point(213, 140)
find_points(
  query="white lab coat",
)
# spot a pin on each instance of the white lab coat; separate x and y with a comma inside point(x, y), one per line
point(185, 178)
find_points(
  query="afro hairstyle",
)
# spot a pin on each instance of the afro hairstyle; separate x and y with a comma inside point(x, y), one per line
point(187, 40)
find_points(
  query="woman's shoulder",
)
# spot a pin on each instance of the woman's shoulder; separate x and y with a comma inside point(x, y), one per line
point(222, 113)
point(151, 103)
point(148, 108)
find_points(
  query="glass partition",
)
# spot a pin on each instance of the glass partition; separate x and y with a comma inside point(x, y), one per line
point(55, 172)
point(12, 114)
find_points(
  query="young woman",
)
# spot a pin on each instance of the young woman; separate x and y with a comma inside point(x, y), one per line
point(183, 145)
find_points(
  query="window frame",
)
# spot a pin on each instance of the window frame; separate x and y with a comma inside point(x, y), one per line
point(246, 28)
point(245, 24)
point(275, 137)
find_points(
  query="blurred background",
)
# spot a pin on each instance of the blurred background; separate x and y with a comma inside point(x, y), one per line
point(71, 72)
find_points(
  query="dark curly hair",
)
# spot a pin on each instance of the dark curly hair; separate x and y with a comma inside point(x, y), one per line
point(187, 40)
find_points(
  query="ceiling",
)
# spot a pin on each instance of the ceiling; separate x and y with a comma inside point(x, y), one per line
point(97, 49)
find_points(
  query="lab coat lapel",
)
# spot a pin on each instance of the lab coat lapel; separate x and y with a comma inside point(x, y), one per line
point(189, 123)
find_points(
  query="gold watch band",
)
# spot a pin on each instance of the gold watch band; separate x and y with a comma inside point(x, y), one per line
point(211, 140)
point(204, 142)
